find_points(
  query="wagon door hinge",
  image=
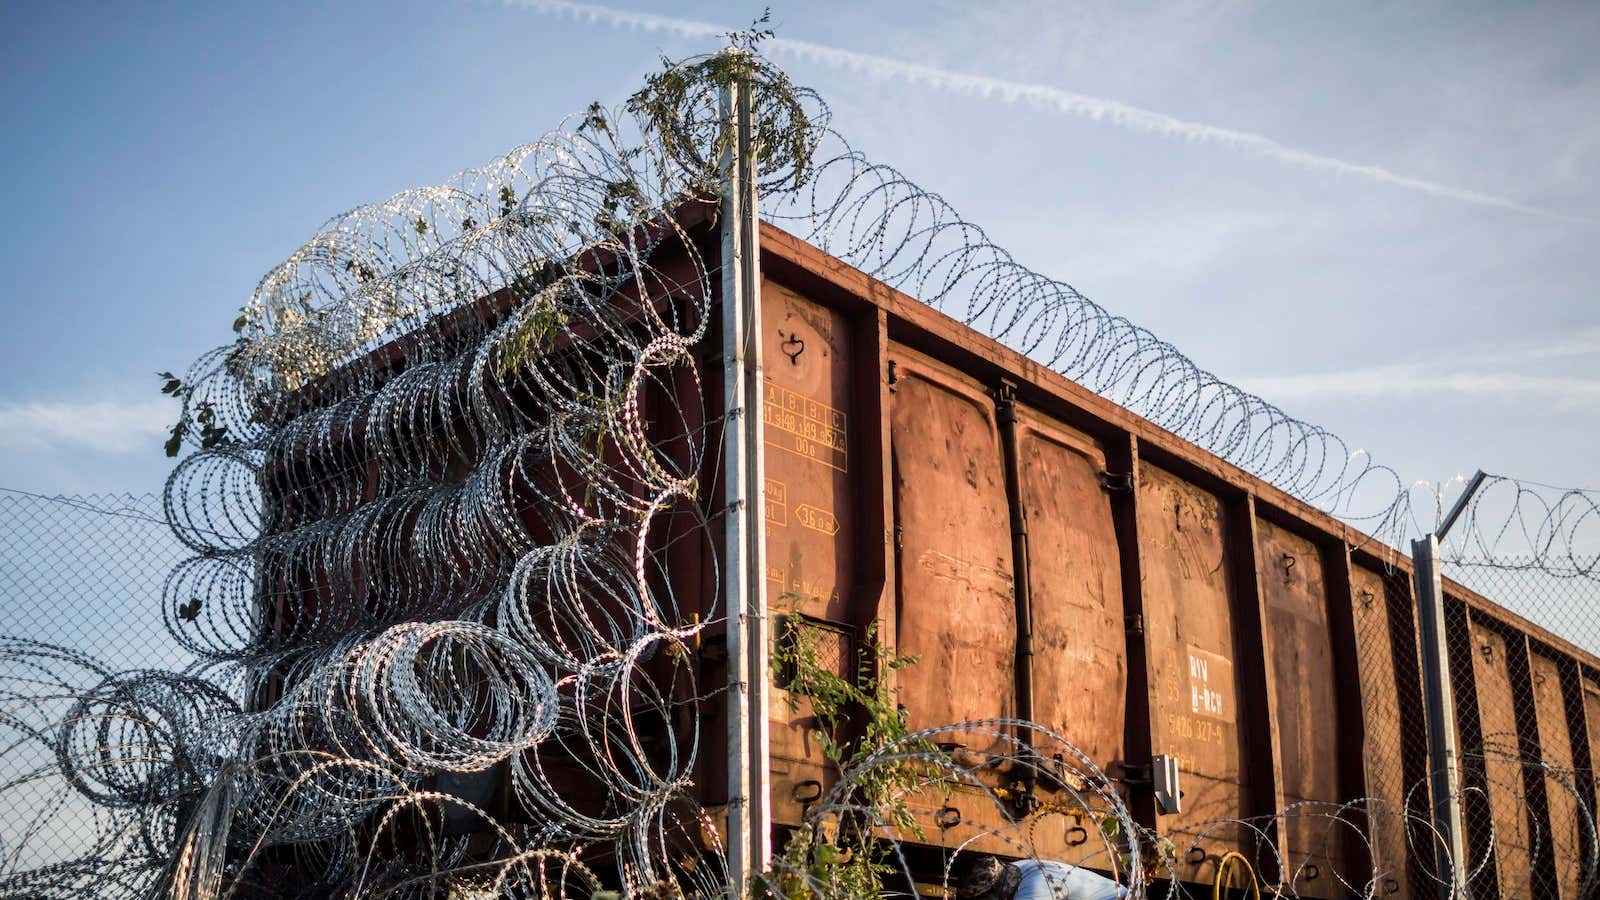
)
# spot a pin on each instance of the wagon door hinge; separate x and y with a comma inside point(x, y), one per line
point(1134, 624)
point(1116, 482)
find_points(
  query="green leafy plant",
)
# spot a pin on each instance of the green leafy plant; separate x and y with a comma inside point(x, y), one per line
point(674, 107)
point(853, 863)
point(535, 335)
point(193, 414)
point(759, 30)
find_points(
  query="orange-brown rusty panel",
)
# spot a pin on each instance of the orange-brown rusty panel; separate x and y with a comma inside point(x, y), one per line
point(1591, 714)
point(1075, 580)
point(810, 512)
point(1381, 753)
point(1188, 620)
point(1303, 683)
point(1555, 741)
point(1497, 713)
point(806, 420)
point(957, 606)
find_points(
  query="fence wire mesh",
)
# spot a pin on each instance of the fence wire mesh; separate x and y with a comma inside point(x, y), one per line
point(439, 521)
point(84, 576)
point(1527, 714)
point(80, 585)
point(1395, 741)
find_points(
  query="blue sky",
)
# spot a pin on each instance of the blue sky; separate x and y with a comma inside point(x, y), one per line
point(159, 160)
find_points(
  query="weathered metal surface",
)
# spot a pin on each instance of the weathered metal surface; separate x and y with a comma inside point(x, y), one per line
point(1188, 619)
point(1384, 740)
point(1592, 716)
point(1591, 712)
point(810, 515)
point(1502, 771)
point(1477, 816)
point(1247, 672)
point(956, 605)
point(1166, 615)
point(962, 561)
point(1550, 714)
point(810, 504)
point(1075, 574)
point(1304, 683)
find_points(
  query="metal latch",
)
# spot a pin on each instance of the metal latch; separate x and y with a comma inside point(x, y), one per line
point(1161, 776)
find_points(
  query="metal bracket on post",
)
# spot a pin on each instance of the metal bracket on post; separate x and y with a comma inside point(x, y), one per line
point(744, 579)
point(1444, 758)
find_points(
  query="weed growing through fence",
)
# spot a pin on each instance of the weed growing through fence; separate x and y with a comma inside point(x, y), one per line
point(851, 863)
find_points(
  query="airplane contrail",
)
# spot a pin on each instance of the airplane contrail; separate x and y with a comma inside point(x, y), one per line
point(1039, 95)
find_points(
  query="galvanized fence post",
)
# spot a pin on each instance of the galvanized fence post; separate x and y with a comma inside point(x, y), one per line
point(1443, 756)
point(744, 577)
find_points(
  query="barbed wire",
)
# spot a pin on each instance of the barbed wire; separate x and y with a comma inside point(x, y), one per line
point(433, 494)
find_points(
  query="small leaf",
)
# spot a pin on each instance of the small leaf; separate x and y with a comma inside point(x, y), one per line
point(175, 440)
point(1110, 826)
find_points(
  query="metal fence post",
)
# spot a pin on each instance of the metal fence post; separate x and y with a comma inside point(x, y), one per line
point(1443, 757)
point(744, 578)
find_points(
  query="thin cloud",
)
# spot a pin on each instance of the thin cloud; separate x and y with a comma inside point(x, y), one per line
point(1489, 372)
point(99, 425)
point(1043, 96)
point(1391, 381)
point(1585, 342)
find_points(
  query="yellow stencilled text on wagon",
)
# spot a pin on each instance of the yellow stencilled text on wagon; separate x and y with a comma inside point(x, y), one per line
point(806, 427)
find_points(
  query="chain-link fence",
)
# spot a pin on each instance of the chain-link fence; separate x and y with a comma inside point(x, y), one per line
point(82, 582)
point(1518, 685)
point(1395, 740)
point(1527, 707)
point(80, 596)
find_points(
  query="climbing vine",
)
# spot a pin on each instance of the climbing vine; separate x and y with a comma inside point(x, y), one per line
point(203, 419)
point(850, 863)
point(678, 113)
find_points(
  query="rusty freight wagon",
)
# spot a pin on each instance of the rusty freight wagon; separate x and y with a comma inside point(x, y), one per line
point(1049, 555)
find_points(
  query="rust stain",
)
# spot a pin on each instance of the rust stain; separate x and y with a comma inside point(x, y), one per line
point(965, 578)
